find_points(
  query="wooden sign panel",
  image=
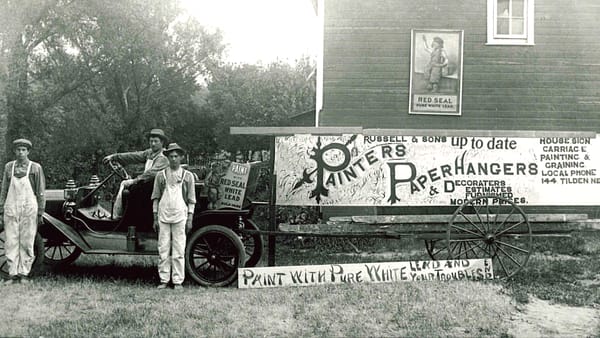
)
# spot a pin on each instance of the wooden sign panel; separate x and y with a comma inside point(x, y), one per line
point(435, 170)
point(305, 275)
point(226, 185)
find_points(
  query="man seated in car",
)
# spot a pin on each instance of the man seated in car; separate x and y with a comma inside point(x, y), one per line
point(140, 188)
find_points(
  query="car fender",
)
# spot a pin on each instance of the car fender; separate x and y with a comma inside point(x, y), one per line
point(229, 218)
point(64, 229)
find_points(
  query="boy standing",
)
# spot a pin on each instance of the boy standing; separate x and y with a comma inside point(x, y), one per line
point(22, 204)
point(173, 201)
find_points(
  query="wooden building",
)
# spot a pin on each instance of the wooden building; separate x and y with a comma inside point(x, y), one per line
point(526, 65)
point(545, 77)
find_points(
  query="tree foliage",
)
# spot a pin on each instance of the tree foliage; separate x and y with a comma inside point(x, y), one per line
point(84, 78)
point(88, 77)
point(256, 95)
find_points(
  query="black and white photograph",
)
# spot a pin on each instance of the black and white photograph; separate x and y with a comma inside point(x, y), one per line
point(299, 168)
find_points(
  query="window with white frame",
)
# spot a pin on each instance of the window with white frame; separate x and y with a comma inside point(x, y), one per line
point(510, 22)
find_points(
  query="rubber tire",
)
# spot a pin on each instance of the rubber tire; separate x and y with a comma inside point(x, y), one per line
point(258, 245)
point(232, 237)
point(38, 247)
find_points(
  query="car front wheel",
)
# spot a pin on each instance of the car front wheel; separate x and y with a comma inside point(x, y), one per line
point(213, 254)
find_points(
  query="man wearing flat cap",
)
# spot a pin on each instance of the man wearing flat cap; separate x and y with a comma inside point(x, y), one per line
point(154, 161)
point(22, 204)
point(174, 198)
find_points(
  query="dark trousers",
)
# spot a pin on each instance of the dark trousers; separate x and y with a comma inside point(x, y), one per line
point(138, 206)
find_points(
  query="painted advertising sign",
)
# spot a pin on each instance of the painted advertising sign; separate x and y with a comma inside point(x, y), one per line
point(436, 72)
point(226, 185)
point(435, 170)
point(307, 275)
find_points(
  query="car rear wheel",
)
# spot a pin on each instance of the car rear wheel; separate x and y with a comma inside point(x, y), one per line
point(38, 248)
point(213, 254)
point(59, 253)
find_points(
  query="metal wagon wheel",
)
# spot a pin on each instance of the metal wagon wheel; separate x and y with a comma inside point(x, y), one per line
point(253, 244)
point(60, 252)
point(491, 227)
point(213, 254)
point(38, 247)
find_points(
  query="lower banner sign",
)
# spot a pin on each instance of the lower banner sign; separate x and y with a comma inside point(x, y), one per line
point(304, 275)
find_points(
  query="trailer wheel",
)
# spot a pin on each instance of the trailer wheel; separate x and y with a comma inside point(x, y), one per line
point(59, 253)
point(491, 227)
point(38, 248)
point(436, 249)
point(213, 254)
point(253, 245)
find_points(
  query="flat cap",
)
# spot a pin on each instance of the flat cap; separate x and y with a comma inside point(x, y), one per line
point(22, 142)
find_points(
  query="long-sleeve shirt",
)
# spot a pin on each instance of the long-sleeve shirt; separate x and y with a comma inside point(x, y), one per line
point(188, 190)
point(159, 162)
point(36, 178)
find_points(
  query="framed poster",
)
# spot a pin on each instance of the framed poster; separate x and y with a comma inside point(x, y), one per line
point(436, 66)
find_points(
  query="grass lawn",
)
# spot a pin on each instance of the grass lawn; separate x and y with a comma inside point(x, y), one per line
point(116, 296)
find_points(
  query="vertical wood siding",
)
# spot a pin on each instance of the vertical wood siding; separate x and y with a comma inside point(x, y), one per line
point(554, 85)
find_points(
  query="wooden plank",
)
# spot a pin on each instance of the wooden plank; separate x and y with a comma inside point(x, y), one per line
point(363, 228)
point(587, 224)
point(281, 131)
point(412, 219)
point(477, 133)
point(418, 230)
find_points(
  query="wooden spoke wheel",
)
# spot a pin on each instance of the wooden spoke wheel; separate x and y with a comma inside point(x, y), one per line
point(38, 247)
point(213, 254)
point(491, 227)
point(436, 249)
point(253, 245)
point(60, 253)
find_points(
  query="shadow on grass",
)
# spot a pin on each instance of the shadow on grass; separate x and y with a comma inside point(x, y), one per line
point(559, 269)
point(105, 268)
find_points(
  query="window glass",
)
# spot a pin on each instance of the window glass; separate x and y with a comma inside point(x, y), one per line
point(511, 22)
point(503, 25)
point(503, 8)
point(518, 8)
point(517, 26)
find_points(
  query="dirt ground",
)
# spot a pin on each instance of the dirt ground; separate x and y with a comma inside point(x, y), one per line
point(539, 318)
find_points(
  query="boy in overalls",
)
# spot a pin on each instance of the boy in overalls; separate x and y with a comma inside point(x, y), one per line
point(22, 204)
point(173, 201)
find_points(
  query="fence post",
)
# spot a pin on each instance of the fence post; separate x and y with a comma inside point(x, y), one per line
point(272, 206)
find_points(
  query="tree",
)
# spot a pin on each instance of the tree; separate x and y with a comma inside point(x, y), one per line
point(93, 76)
point(255, 95)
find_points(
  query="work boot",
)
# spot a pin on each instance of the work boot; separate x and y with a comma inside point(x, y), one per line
point(178, 287)
point(8, 281)
point(162, 286)
point(24, 280)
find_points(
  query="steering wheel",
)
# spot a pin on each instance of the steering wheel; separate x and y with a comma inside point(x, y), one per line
point(119, 170)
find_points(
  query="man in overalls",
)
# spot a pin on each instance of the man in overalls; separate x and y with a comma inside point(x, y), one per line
point(22, 204)
point(140, 187)
point(174, 198)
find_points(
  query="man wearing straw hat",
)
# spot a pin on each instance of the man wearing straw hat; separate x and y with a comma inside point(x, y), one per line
point(154, 161)
point(173, 198)
point(22, 204)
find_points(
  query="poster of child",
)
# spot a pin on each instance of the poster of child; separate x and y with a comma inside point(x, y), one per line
point(436, 72)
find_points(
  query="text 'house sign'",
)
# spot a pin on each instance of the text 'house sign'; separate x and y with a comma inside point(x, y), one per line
point(306, 275)
point(435, 170)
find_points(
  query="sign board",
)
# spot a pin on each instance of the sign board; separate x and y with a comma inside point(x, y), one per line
point(398, 170)
point(305, 275)
point(226, 185)
point(436, 72)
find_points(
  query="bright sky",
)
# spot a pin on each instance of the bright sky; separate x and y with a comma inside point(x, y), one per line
point(260, 30)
